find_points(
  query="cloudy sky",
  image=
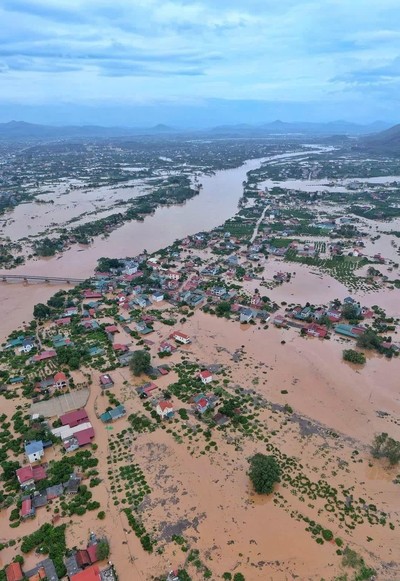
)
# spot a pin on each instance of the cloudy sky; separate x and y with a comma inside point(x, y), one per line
point(199, 62)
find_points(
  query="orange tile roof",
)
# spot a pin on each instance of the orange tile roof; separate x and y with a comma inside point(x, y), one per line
point(90, 574)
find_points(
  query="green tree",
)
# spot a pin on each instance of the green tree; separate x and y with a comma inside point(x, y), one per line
point(385, 447)
point(41, 311)
point(264, 473)
point(369, 340)
point(354, 356)
point(223, 309)
point(351, 312)
point(103, 550)
point(106, 264)
point(140, 362)
point(57, 301)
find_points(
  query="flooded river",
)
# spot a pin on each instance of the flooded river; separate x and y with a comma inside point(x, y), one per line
point(217, 201)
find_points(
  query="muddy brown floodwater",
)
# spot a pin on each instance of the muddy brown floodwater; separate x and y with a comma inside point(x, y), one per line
point(206, 497)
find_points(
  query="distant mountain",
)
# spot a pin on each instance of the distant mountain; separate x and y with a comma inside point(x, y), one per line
point(15, 130)
point(386, 142)
point(304, 128)
point(20, 130)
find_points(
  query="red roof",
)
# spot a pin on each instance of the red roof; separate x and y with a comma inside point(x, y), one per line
point(82, 558)
point(59, 377)
point(180, 334)
point(92, 552)
point(74, 418)
point(14, 572)
point(90, 574)
point(120, 347)
point(63, 321)
point(202, 402)
point(85, 436)
point(26, 507)
point(89, 294)
point(112, 329)
point(164, 405)
point(39, 473)
point(24, 474)
point(45, 355)
point(205, 374)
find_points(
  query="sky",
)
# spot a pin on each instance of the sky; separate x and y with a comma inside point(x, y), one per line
point(199, 63)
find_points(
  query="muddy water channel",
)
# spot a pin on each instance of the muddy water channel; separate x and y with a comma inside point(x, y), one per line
point(217, 201)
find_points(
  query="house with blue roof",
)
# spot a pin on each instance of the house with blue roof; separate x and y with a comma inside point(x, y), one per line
point(34, 451)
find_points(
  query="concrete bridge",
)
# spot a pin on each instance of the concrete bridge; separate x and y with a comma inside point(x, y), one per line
point(27, 278)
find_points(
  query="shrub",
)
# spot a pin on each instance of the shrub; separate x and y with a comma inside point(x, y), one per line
point(327, 535)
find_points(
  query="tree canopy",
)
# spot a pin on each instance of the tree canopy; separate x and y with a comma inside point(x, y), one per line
point(264, 473)
point(41, 311)
point(354, 356)
point(106, 264)
point(385, 447)
point(140, 362)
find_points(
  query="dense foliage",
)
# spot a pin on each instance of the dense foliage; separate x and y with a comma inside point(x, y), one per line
point(140, 362)
point(264, 473)
point(353, 356)
point(385, 447)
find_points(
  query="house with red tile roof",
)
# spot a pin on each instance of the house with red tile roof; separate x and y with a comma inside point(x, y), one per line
point(14, 572)
point(27, 510)
point(63, 321)
point(315, 330)
point(180, 337)
point(112, 329)
point(44, 355)
point(206, 376)
point(90, 574)
point(165, 409)
point(60, 380)
point(120, 347)
point(28, 475)
point(90, 294)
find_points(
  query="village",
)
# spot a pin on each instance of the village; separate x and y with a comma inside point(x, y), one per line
point(139, 357)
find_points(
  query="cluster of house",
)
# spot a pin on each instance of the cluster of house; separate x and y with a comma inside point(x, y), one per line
point(32, 499)
point(310, 319)
point(81, 565)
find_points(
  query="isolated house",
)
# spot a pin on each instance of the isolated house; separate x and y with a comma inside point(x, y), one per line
point(114, 414)
point(206, 376)
point(181, 337)
point(106, 381)
point(165, 409)
point(60, 380)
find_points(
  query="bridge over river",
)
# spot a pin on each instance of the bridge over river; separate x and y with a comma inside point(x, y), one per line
point(29, 278)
